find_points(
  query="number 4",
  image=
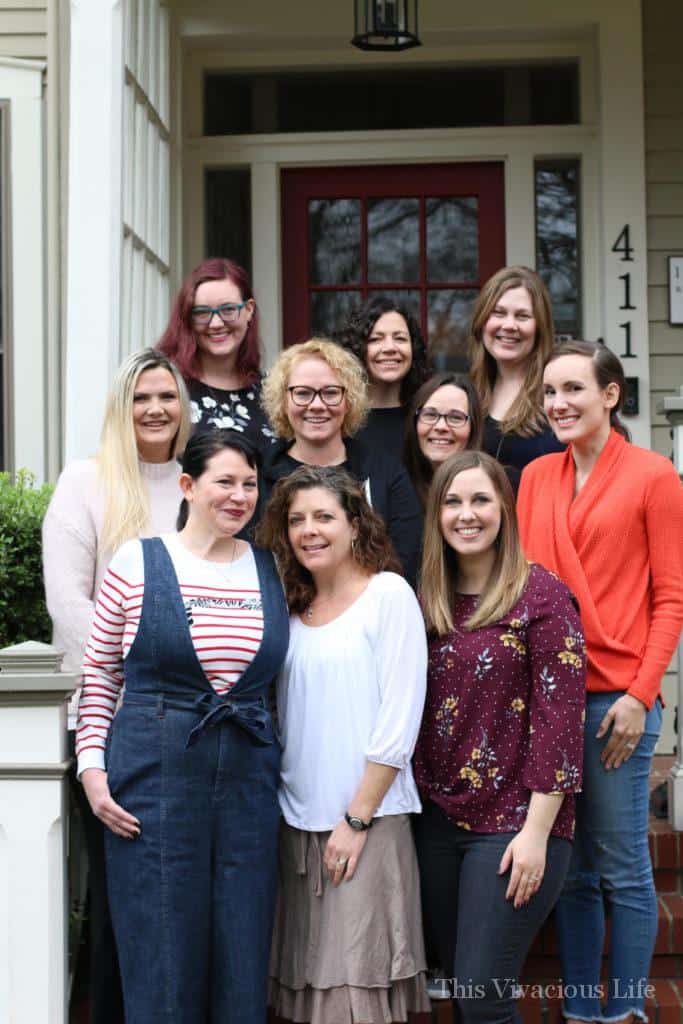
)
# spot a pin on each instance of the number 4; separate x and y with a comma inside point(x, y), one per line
point(623, 244)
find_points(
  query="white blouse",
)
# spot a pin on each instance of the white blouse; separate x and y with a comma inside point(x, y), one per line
point(352, 691)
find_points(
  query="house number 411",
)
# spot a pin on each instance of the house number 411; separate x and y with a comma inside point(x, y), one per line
point(623, 246)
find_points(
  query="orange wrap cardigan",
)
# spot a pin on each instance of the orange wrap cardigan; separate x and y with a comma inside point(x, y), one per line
point(618, 545)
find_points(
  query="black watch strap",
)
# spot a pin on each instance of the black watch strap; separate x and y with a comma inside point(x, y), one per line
point(357, 824)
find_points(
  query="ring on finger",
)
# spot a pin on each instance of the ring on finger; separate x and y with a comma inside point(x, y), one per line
point(341, 861)
point(631, 746)
point(534, 878)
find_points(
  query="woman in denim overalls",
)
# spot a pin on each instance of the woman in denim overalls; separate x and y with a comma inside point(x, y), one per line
point(196, 625)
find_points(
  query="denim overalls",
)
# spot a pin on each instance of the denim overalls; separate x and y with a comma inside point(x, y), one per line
point(192, 899)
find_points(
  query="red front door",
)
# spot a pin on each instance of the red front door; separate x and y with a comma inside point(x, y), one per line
point(427, 234)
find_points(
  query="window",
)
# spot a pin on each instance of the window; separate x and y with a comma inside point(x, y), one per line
point(4, 375)
point(435, 97)
point(227, 197)
point(558, 240)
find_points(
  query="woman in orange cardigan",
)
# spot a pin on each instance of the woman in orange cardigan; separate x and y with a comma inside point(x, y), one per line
point(607, 517)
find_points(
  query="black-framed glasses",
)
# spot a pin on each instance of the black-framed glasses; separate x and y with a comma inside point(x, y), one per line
point(229, 312)
point(430, 417)
point(331, 395)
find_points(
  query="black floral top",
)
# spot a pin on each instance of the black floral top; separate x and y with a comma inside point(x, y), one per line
point(505, 710)
point(214, 408)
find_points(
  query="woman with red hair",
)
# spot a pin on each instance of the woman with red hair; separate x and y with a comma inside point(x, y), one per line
point(213, 338)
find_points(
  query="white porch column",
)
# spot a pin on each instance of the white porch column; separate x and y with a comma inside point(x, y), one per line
point(95, 217)
point(672, 407)
point(33, 893)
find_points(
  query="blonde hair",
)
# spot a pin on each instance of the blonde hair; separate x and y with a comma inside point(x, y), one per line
point(126, 500)
point(351, 374)
point(510, 570)
point(525, 416)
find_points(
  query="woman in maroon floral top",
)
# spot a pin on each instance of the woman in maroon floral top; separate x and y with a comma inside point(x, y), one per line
point(499, 755)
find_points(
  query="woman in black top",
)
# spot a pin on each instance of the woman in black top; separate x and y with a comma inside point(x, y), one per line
point(510, 338)
point(387, 339)
point(213, 338)
point(316, 400)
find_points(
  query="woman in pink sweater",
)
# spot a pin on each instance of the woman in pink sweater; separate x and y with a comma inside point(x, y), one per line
point(607, 517)
point(129, 489)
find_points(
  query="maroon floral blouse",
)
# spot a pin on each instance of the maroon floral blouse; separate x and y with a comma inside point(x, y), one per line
point(505, 710)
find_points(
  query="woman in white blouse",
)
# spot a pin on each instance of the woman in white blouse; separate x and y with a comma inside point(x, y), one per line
point(348, 939)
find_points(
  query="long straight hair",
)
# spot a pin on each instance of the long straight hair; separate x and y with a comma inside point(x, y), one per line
point(525, 416)
point(607, 369)
point(510, 572)
point(126, 499)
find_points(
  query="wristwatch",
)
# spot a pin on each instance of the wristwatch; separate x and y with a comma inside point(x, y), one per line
point(357, 824)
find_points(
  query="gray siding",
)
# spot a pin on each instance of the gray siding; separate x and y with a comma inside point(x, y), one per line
point(23, 28)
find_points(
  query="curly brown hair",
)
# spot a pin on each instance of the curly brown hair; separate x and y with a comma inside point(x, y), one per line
point(372, 550)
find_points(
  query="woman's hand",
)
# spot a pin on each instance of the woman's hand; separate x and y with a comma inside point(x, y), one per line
point(96, 788)
point(343, 849)
point(627, 718)
point(526, 854)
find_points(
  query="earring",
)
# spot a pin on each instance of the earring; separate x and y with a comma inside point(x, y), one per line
point(354, 548)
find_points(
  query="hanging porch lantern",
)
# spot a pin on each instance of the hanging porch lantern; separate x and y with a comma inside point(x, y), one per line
point(385, 24)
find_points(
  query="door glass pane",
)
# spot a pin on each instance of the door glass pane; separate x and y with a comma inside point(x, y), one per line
point(393, 240)
point(330, 311)
point(448, 317)
point(228, 215)
point(409, 298)
point(334, 237)
point(452, 238)
point(557, 240)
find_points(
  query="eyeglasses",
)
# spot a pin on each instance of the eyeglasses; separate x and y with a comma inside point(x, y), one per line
point(332, 395)
point(229, 312)
point(430, 417)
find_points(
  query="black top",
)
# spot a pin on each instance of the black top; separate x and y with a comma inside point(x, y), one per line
point(384, 431)
point(240, 410)
point(514, 451)
point(387, 487)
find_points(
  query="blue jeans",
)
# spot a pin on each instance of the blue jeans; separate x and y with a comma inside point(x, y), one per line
point(611, 861)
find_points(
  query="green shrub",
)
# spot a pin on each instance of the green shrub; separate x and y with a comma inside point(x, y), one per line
point(23, 615)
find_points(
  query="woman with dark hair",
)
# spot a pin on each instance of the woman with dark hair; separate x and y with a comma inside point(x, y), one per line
point(194, 625)
point(498, 759)
point(128, 489)
point(348, 941)
point(213, 338)
point(607, 517)
point(387, 339)
point(444, 417)
point(511, 335)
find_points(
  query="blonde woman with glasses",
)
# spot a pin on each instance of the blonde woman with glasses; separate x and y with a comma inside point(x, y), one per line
point(129, 489)
point(316, 398)
point(498, 759)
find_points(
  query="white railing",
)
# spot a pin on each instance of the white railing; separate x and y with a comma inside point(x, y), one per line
point(33, 808)
point(672, 407)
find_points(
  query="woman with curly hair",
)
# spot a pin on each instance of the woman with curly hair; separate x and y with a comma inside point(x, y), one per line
point(213, 338)
point(511, 336)
point(444, 418)
point(348, 939)
point(316, 398)
point(387, 339)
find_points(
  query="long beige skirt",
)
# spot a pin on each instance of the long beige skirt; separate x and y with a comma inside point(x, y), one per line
point(352, 954)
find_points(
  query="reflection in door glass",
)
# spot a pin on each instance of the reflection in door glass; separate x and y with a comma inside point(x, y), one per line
point(409, 298)
point(393, 240)
point(334, 238)
point(448, 315)
point(330, 311)
point(557, 240)
point(452, 239)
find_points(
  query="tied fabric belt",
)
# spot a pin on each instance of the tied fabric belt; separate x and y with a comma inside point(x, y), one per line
point(250, 713)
